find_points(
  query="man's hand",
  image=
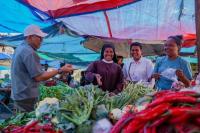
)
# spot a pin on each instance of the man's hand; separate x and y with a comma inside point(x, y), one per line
point(67, 68)
point(46, 75)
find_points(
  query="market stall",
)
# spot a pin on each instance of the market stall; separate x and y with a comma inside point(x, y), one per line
point(64, 109)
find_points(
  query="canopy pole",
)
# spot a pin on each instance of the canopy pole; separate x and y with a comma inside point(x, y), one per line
point(197, 21)
point(108, 24)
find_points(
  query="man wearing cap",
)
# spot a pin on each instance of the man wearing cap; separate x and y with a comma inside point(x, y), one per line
point(26, 71)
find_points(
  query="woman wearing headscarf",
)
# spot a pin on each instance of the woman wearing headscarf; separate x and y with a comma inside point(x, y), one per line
point(105, 72)
point(171, 63)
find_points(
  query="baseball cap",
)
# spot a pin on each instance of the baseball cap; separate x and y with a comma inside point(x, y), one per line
point(34, 30)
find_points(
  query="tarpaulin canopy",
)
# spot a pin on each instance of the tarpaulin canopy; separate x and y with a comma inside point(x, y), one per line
point(5, 56)
point(4, 68)
point(60, 44)
point(189, 40)
point(15, 17)
point(143, 19)
point(190, 59)
point(60, 39)
point(73, 7)
point(122, 19)
point(188, 50)
point(126, 19)
point(75, 59)
point(122, 46)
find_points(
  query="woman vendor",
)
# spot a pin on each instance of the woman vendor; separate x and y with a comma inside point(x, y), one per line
point(105, 72)
point(171, 63)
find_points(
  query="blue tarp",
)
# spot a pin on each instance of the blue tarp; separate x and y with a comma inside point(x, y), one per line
point(15, 17)
point(188, 50)
point(4, 68)
point(60, 39)
point(61, 43)
point(5, 56)
point(189, 59)
point(146, 19)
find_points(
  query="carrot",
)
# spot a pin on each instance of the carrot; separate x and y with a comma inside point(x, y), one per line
point(47, 127)
point(180, 93)
point(172, 99)
point(180, 119)
point(177, 111)
point(133, 126)
point(154, 112)
point(162, 93)
point(32, 124)
point(179, 128)
point(159, 121)
point(147, 129)
point(153, 130)
point(145, 116)
point(141, 130)
point(122, 122)
point(197, 121)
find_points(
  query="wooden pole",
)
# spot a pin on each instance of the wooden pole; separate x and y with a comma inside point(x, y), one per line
point(197, 21)
point(108, 24)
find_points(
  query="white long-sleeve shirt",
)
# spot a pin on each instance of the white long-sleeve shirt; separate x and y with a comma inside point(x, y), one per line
point(137, 71)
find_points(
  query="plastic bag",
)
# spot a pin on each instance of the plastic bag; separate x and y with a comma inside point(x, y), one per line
point(177, 85)
point(170, 74)
point(102, 126)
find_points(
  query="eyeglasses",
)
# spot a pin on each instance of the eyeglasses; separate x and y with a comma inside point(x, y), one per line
point(41, 38)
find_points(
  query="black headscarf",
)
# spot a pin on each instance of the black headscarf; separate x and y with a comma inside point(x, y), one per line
point(108, 45)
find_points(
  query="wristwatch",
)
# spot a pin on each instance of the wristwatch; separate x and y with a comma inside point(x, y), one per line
point(60, 71)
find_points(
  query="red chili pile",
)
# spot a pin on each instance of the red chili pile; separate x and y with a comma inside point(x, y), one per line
point(33, 127)
point(169, 112)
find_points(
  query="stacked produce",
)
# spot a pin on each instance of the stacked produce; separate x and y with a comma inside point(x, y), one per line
point(79, 109)
point(169, 112)
point(89, 104)
point(18, 120)
point(32, 127)
point(58, 91)
point(129, 95)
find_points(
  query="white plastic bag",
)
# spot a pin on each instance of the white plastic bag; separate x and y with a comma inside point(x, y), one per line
point(170, 74)
point(102, 126)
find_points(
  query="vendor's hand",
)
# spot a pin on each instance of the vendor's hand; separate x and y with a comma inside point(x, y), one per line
point(156, 76)
point(98, 77)
point(67, 68)
point(179, 73)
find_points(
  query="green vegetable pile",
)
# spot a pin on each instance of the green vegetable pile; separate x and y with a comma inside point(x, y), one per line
point(58, 91)
point(77, 107)
point(83, 105)
point(129, 95)
point(18, 120)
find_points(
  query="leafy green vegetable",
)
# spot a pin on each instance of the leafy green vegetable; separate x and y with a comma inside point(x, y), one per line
point(129, 95)
point(19, 119)
point(58, 91)
point(78, 107)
